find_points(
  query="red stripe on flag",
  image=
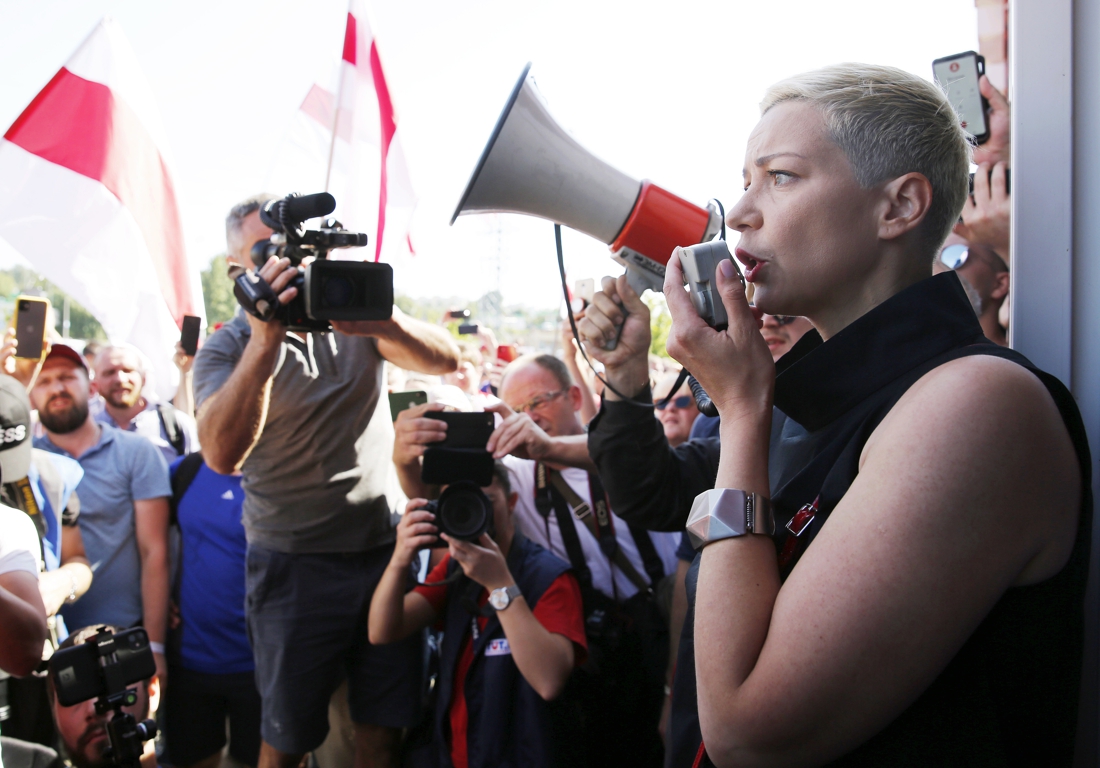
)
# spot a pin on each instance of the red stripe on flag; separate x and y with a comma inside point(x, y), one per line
point(349, 41)
point(389, 127)
point(79, 124)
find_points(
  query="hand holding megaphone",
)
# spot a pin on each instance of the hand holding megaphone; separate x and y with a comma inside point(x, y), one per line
point(616, 312)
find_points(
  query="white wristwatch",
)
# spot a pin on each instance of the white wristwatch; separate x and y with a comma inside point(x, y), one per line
point(722, 513)
point(501, 598)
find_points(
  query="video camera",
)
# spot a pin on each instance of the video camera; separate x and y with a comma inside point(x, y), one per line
point(104, 667)
point(460, 462)
point(327, 290)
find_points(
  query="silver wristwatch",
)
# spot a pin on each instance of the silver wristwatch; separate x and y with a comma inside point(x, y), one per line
point(722, 513)
point(503, 597)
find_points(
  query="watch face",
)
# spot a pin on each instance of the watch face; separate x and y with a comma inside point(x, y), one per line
point(499, 599)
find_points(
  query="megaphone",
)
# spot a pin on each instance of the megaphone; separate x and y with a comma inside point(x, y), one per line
point(532, 166)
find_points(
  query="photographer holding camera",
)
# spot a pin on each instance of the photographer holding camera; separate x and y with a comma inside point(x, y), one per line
point(561, 506)
point(513, 629)
point(895, 548)
point(298, 414)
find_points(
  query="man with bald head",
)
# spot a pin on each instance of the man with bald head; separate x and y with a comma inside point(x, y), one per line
point(985, 277)
point(120, 380)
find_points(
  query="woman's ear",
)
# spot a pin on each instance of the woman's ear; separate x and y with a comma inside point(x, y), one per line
point(906, 202)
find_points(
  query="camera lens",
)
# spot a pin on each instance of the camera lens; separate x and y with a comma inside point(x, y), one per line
point(464, 512)
point(337, 291)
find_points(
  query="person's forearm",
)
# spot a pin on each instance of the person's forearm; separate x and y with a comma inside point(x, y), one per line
point(570, 451)
point(154, 591)
point(648, 482)
point(386, 622)
point(545, 660)
point(232, 419)
point(735, 596)
point(417, 346)
point(73, 578)
point(588, 400)
point(23, 635)
point(629, 378)
point(184, 399)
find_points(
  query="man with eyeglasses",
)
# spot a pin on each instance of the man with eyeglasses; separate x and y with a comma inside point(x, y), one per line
point(562, 507)
point(986, 278)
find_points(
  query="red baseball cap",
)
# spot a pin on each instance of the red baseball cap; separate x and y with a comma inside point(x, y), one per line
point(68, 353)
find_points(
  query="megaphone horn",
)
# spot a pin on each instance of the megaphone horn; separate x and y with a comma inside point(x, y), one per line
point(532, 166)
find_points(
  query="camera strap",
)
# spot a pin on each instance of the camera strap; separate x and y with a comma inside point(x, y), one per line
point(548, 500)
point(600, 524)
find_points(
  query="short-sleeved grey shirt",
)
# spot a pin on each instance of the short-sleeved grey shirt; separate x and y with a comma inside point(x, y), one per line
point(316, 480)
point(118, 470)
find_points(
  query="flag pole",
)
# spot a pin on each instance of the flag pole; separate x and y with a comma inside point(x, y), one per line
point(339, 100)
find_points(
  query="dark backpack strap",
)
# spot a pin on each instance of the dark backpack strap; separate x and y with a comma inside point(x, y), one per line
point(171, 424)
point(181, 481)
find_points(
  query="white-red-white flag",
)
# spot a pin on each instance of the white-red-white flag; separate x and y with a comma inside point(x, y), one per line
point(363, 164)
point(87, 198)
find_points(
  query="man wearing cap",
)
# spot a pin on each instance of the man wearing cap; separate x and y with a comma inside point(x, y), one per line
point(40, 484)
point(123, 499)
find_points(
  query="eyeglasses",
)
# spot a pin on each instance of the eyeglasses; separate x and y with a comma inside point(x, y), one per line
point(681, 402)
point(537, 402)
point(954, 256)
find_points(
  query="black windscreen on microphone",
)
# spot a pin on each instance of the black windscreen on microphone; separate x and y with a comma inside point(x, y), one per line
point(310, 206)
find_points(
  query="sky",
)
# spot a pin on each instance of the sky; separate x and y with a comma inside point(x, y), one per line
point(661, 91)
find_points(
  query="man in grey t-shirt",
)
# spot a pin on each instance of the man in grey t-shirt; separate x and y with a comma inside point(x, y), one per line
point(298, 415)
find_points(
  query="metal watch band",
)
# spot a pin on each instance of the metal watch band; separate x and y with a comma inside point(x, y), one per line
point(722, 513)
point(506, 596)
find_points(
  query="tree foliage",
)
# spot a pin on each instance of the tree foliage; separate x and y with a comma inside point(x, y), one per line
point(660, 322)
point(20, 279)
point(217, 291)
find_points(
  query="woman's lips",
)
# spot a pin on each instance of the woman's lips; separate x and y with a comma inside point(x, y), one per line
point(752, 264)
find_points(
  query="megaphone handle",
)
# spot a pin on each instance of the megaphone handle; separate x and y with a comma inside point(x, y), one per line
point(640, 282)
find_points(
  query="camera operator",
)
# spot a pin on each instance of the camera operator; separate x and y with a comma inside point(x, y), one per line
point(83, 732)
point(619, 566)
point(921, 602)
point(297, 413)
point(486, 714)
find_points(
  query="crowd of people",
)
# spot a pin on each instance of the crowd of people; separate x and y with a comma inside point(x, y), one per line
point(645, 593)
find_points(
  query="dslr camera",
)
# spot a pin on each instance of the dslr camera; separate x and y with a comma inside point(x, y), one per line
point(460, 462)
point(103, 668)
point(327, 290)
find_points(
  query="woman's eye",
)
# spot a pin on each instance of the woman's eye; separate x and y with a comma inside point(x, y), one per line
point(781, 177)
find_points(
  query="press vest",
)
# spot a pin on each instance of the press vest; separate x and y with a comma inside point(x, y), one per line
point(1009, 696)
point(509, 723)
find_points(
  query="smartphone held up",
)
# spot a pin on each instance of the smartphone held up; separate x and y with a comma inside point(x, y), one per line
point(958, 76)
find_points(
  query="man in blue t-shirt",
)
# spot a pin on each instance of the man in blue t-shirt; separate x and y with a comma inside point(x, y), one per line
point(212, 670)
point(123, 505)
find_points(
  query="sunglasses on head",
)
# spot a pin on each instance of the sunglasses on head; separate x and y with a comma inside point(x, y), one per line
point(681, 402)
point(954, 256)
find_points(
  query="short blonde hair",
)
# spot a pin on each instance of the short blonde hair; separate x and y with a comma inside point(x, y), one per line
point(889, 123)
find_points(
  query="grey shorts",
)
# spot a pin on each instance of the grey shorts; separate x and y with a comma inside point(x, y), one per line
point(307, 621)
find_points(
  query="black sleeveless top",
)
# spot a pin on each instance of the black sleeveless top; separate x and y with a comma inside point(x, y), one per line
point(1009, 697)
